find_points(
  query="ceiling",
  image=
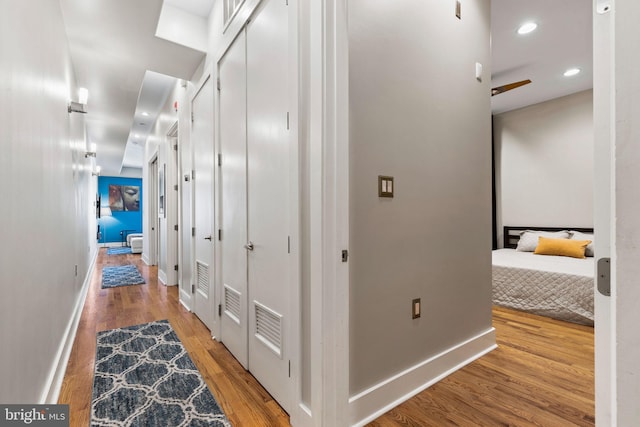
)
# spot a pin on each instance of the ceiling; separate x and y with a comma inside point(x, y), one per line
point(117, 56)
point(562, 40)
point(113, 45)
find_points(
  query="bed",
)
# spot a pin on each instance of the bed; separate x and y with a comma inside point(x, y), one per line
point(554, 286)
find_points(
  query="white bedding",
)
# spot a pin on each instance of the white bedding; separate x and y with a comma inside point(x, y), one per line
point(553, 286)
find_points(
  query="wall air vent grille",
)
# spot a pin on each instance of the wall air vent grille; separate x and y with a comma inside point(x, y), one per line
point(202, 273)
point(232, 303)
point(269, 328)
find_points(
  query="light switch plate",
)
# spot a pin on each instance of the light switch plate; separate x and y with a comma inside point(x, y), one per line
point(385, 186)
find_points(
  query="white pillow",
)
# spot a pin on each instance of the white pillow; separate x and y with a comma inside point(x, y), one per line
point(577, 235)
point(529, 239)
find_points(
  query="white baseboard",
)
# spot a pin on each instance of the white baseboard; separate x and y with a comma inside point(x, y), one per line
point(145, 259)
point(185, 299)
point(111, 245)
point(375, 401)
point(52, 387)
point(302, 416)
point(162, 277)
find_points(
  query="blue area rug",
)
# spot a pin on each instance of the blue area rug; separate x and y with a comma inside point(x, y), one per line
point(144, 377)
point(122, 275)
point(118, 251)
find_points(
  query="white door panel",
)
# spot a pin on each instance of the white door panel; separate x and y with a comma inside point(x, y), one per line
point(268, 199)
point(233, 185)
point(202, 137)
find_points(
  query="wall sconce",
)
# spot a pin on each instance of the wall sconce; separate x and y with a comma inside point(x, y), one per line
point(81, 105)
point(91, 152)
point(603, 6)
point(96, 172)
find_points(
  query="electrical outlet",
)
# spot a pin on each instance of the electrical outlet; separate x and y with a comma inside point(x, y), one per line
point(415, 308)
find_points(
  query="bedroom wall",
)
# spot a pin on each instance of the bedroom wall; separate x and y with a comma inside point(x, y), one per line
point(417, 113)
point(47, 195)
point(120, 220)
point(544, 164)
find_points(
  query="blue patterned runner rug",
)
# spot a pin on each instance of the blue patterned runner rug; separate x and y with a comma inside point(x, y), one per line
point(118, 251)
point(121, 275)
point(144, 377)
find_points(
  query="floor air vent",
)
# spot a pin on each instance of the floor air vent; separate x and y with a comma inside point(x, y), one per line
point(202, 274)
point(269, 328)
point(232, 303)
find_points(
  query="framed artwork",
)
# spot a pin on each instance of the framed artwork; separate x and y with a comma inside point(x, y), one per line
point(124, 198)
point(161, 191)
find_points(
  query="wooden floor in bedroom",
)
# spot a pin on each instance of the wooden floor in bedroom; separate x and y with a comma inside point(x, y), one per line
point(541, 374)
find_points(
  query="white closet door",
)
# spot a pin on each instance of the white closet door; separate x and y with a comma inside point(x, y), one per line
point(202, 137)
point(233, 182)
point(268, 199)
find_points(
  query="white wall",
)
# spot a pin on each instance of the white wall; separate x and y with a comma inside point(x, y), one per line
point(417, 113)
point(544, 164)
point(158, 142)
point(47, 194)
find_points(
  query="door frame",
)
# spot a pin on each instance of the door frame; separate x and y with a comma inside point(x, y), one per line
point(602, 106)
point(185, 214)
point(152, 214)
point(617, 352)
point(171, 206)
point(328, 188)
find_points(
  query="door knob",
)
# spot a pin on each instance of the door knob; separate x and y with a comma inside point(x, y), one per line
point(249, 246)
point(208, 238)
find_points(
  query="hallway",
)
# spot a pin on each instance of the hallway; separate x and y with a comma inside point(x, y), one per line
point(243, 400)
point(542, 373)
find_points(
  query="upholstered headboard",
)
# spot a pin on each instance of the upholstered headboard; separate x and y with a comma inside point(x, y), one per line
point(512, 233)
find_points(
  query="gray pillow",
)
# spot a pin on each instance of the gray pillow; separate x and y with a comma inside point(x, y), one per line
point(577, 235)
point(529, 238)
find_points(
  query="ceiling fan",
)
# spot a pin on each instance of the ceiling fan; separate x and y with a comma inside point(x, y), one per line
point(501, 89)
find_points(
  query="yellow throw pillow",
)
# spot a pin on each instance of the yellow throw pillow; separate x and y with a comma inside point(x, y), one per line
point(562, 247)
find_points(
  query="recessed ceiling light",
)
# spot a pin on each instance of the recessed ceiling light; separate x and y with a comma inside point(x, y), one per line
point(527, 27)
point(571, 72)
point(144, 113)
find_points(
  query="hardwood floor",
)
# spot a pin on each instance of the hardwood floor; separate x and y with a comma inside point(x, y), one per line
point(541, 374)
point(241, 397)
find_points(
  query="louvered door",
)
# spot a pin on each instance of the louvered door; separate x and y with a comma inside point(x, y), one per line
point(203, 302)
point(254, 179)
point(233, 219)
point(268, 168)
